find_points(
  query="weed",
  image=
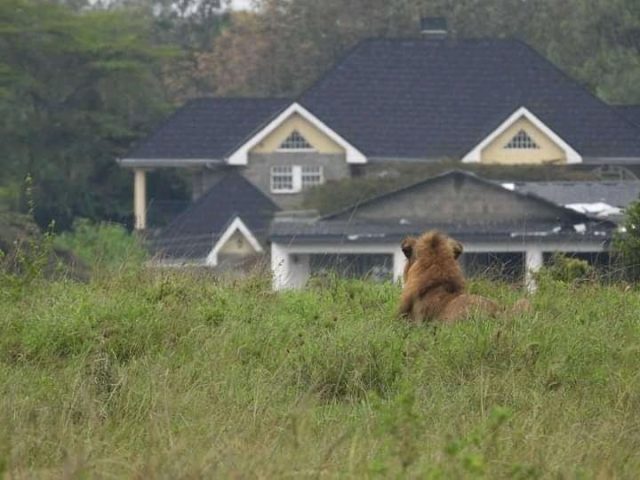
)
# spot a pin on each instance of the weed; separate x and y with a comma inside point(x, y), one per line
point(169, 374)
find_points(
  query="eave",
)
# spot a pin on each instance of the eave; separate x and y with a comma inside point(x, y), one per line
point(168, 162)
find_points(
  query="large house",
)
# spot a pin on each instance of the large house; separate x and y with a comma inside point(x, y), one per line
point(391, 102)
point(498, 226)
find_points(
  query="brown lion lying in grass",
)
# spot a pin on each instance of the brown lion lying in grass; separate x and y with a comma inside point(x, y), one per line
point(434, 285)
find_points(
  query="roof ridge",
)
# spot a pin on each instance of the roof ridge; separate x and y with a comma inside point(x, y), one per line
point(450, 39)
point(392, 192)
point(333, 67)
point(234, 97)
point(464, 173)
point(578, 84)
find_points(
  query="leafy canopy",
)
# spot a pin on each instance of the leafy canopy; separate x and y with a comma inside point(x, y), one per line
point(76, 89)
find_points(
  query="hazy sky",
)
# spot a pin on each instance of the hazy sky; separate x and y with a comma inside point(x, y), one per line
point(241, 4)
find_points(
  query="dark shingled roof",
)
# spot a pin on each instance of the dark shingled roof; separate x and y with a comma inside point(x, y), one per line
point(439, 98)
point(630, 112)
point(208, 128)
point(193, 233)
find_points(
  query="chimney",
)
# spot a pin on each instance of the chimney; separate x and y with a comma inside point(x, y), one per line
point(433, 27)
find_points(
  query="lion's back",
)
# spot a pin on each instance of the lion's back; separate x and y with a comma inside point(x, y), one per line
point(467, 305)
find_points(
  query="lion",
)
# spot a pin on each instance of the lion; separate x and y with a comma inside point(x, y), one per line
point(434, 285)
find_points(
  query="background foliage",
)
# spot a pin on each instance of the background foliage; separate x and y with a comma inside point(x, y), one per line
point(81, 81)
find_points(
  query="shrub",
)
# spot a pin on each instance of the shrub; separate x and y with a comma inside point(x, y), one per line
point(566, 269)
point(107, 245)
point(626, 243)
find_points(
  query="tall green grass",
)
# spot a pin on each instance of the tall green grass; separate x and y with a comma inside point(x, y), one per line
point(104, 247)
point(174, 375)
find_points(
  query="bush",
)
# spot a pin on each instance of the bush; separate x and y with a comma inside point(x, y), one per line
point(27, 255)
point(564, 268)
point(626, 243)
point(103, 245)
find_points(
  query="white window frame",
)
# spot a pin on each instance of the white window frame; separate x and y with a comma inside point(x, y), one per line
point(320, 174)
point(293, 179)
point(296, 172)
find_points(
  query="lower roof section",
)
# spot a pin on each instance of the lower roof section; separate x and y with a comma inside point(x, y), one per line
point(344, 232)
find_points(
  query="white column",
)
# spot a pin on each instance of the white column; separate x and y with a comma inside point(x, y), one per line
point(288, 270)
point(300, 269)
point(399, 261)
point(279, 266)
point(533, 263)
point(140, 198)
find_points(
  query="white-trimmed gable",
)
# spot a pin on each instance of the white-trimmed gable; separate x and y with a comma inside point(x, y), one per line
point(237, 226)
point(475, 155)
point(240, 155)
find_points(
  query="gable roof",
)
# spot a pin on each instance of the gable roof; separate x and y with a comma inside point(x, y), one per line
point(239, 156)
point(475, 154)
point(346, 225)
point(193, 233)
point(460, 175)
point(236, 225)
point(207, 129)
point(428, 99)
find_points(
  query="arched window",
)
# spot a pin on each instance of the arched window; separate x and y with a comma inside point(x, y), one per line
point(522, 140)
point(295, 141)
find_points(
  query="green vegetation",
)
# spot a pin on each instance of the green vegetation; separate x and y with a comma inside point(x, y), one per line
point(27, 254)
point(82, 80)
point(595, 41)
point(627, 242)
point(566, 269)
point(76, 90)
point(103, 246)
point(165, 375)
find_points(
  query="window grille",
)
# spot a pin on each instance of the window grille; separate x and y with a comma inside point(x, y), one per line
point(295, 141)
point(282, 179)
point(311, 176)
point(295, 178)
point(522, 140)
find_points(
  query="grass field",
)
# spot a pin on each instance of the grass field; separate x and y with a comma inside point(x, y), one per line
point(168, 375)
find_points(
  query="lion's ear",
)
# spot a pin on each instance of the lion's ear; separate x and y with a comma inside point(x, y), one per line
point(457, 248)
point(407, 246)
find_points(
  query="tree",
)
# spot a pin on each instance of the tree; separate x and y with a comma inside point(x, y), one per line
point(285, 46)
point(76, 89)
